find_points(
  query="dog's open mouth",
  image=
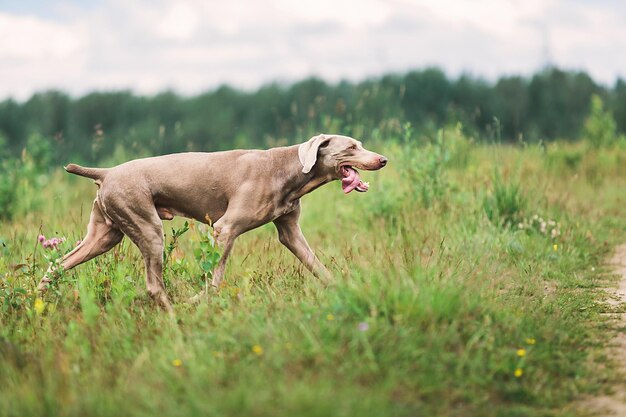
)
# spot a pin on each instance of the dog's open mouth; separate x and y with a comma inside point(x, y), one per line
point(351, 180)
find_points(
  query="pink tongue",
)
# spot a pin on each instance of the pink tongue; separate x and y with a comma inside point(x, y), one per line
point(351, 181)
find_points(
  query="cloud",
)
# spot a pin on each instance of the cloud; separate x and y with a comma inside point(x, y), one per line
point(179, 22)
point(36, 53)
point(192, 45)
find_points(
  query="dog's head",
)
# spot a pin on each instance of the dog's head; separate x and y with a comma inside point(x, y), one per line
point(338, 156)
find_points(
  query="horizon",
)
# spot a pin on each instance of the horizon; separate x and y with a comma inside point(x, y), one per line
point(284, 84)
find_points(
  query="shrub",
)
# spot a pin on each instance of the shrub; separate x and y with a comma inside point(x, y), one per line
point(505, 205)
point(8, 188)
point(600, 128)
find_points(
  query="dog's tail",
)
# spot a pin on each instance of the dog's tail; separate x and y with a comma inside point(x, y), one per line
point(96, 174)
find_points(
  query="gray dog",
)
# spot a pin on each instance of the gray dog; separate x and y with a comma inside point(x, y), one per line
point(235, 191)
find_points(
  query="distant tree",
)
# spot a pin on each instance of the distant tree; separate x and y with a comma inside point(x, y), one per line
point(426, 96)
point(511, 103)
point(559, 102)
point(13, 124)
point(619, 105)
point(472, 101)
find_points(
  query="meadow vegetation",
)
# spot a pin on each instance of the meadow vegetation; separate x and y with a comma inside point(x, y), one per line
point(467, 281)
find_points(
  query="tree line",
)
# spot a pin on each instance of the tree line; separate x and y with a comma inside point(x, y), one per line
point(551, 104)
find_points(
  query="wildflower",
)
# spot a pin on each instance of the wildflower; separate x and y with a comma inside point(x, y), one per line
point(363, 326)
point(258, 350)
point(531, 340)
point(518, 372)
point(521, 352)
point(39, 306)
point(330, 317)
point(177, 363)
point(555, 247)
point(51, 243)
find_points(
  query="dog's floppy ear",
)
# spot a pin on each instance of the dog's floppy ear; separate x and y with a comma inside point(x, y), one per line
point(307, 152)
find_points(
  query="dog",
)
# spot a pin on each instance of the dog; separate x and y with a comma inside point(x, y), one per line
point(234, 191)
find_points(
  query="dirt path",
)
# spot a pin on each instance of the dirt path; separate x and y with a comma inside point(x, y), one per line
point(615, 403)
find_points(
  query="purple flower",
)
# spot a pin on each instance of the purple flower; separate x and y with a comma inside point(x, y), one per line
point(363, 326)
point(41, 238)
point(52, 243)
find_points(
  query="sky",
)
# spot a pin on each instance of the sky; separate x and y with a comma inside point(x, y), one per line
point(190, 46)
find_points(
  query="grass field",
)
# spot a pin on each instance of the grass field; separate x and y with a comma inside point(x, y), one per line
point(466, 283)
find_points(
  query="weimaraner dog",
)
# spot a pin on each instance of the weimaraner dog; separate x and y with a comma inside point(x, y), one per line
point(235, 191)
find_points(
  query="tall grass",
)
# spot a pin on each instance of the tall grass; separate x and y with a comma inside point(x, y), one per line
point(448, 298)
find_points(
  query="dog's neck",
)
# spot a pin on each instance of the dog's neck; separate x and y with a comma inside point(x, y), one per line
point(296, 182)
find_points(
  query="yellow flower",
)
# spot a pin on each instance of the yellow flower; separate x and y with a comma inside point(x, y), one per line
point(217, 354)
point(258, 350)
point(177, 363)
point(531, 341)
point(521, 352)
point(39, 306)
point(330, 317)
point(555, 247)
point(518, 372)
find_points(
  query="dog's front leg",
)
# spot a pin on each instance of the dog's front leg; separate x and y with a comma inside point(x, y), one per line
point(225, 236)
point(290, 235)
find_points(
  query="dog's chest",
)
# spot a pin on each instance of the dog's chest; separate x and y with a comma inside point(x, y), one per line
point(285, 207)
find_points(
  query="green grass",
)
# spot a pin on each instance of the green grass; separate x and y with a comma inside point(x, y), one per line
point(430, 303)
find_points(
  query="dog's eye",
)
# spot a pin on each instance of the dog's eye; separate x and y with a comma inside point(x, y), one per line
point(352, 148)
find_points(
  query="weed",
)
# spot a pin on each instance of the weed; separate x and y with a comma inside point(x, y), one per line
point(600, 128)
point(8, 187)
point(175, 266)
point(505, 204)
point(425, 167)
point(207, 255)
point(12, 297)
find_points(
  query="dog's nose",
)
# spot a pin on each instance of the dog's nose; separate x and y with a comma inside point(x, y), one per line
point(383, 161)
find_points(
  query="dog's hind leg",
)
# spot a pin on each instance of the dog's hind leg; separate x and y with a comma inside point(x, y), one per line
point(139, 220)
point(101, 237)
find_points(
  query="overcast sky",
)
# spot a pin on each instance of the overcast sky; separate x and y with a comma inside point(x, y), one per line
point(194, 45)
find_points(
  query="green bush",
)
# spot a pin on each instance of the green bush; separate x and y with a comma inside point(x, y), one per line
point(505, 205)
point(600, 128)
point(426, 166)
point(8, 188)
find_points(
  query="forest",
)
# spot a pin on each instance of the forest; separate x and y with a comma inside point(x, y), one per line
point(56, 128)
